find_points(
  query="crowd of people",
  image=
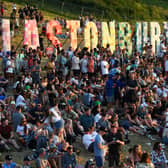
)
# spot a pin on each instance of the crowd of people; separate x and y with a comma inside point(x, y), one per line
point(92, 96)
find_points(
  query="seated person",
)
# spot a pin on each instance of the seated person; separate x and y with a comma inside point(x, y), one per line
point(69, 113)
point(8, 162)
point(3, 81)
point(87, 119)
point(165, 134)
point(69, 158)
point(89, 138)
point(2, 93)
point(23, 131)
point(6, 134)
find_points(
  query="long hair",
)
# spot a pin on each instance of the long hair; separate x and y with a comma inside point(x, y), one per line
point(145, 158)
point(156, 146)
point(135, 152)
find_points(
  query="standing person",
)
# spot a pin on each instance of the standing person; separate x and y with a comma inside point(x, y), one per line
point(166, 64)
point(99, 148)
point(84, 65)
point(104, 67)
point(109, 90)
point(76, 65)
point(115, 141)
point(158, 156)
point(90, 67)
point(2, 9)
point(35, 70)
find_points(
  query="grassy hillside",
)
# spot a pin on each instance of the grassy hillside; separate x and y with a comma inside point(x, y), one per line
point(120, 10)
point(129, 9)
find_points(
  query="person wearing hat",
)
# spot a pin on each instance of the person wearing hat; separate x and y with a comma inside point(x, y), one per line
point(115, 141)
point(41, 161)
point(8, 162)
point(54, 157)
point(100, 147)
point(27, 162)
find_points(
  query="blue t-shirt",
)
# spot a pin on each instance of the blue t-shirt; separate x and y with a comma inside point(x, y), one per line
point(109, 90)
point(86, 121)
point(98, 140)
point(12, 165)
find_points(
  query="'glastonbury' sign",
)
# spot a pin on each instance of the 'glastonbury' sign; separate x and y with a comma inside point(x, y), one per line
point(108, 34)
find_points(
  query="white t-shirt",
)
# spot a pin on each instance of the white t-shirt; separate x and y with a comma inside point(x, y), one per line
point(56, 117)
point(97, 117)
point(20, 129)
point(84, 64)
point(20, 101)
point(28, 80)
point(9, 66)
point(104, 68)
point(75, 63)
point(163, 47)
point(166, 65)
point(87, 139)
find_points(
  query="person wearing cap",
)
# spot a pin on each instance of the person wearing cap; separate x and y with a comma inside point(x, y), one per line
point(100, 147)
point(41, 161)
point(69, 158)
point(8, 162)
point(27, 163)
point(115, 140)
point(54, 157)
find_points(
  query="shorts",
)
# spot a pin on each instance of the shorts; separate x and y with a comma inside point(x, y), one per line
point(59, 124)
point(99, 161)
point(126, 124)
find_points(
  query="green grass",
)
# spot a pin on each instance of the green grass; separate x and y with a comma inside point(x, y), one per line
point(120, 10)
